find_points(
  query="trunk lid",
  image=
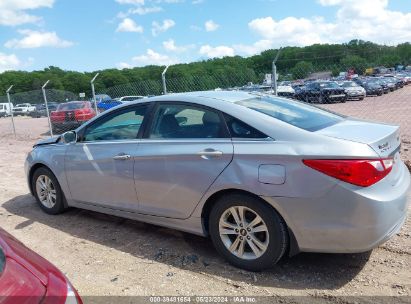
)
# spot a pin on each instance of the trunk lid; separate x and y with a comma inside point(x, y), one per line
point(383, 139)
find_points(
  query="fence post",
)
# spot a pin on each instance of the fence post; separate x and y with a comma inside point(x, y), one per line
point(274, 74)
point(163, 78)
point(11, 110)
point(94, 92)
point(43, 88)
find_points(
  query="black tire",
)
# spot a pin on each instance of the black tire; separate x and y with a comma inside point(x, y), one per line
point(59, 206)
point(277, 230)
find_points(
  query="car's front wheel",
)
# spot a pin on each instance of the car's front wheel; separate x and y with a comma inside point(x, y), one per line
point(47, 191)
point(248, 232)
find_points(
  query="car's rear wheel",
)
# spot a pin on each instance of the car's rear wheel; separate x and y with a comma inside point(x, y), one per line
point(47, 191)
point(248, 232)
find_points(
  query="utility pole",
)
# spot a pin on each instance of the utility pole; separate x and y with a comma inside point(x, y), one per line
point(274, 73)
point(163, 78)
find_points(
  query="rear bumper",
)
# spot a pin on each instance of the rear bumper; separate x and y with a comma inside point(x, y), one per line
point(348, 219)
point(66, 125)
point(355, 95)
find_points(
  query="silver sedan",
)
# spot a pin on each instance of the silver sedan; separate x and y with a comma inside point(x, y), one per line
point(262, 176)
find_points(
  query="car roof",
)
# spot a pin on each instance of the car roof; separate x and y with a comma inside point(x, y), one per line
point(229, 96)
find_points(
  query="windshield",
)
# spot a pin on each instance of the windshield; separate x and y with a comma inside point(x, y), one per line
point(295, 113)
point(2, 260)
point(332, 85)
point(70, 106)
point(20, 105)
point(349, 84)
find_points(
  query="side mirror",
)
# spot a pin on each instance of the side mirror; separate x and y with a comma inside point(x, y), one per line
point(69, 137)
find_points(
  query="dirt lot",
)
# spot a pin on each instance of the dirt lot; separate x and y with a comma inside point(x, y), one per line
point(105, 255)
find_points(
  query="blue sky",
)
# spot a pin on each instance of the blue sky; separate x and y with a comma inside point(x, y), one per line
point(87, 35)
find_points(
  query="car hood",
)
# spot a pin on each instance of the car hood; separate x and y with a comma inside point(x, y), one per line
point(48, 141)
point(354, 89)
point(384, 139)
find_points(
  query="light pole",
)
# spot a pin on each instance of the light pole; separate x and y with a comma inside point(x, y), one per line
point(11, 110)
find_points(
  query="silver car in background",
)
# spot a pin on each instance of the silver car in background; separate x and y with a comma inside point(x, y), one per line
point(262, 176)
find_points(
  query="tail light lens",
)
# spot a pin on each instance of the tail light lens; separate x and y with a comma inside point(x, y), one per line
point(359, 172)
point(84, 114)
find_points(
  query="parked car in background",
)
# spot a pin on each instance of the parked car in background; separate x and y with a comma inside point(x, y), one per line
point(23, 109)
point(262, 175)
point(71, 115)
point(389, 83)
point(41, 110)
point(128, 98)
point(353, 90)
point(26, 277)
point(285, 89)
point(377, 81)
point(371, 88)
point(108, 104)
point(322, 92)
point(6, 109)
point(406, 77)
point(102, 97)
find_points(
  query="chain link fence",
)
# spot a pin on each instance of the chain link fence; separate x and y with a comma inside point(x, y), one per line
point(378, 94)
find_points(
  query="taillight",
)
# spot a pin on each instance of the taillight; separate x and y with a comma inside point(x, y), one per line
point(359, 172)
point(84, 114)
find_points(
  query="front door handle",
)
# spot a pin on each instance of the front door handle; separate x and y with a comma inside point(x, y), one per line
point(122, 157)
point(210, 153)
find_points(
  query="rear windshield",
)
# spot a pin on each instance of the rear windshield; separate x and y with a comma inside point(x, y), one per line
point(2, 261)
point(295, 113)
point(70, 106)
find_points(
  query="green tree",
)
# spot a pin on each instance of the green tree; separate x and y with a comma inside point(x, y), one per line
point(302, 69)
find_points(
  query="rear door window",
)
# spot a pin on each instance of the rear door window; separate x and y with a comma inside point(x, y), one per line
point(240, 130)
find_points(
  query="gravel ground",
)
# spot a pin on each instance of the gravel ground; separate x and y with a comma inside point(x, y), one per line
point(106, 255)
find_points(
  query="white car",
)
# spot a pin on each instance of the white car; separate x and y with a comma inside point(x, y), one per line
point(353, 90)
point(5, 109)
point(23, 109)
point(285, 90)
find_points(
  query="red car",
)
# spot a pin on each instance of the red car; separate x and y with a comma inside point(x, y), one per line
point(70, 115)
point(27, 278)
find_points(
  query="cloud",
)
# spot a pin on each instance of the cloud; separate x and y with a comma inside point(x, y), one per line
point(152, 58)
point(140, 10)
point(369, 20)
point(197, 1)
point(170, 46)
point(124, 65)
point(218, 51)
point(255, 48)
point(128, 25)
point(37, 39)
point(9, 62)
point(13, 12)
point(163, 27)
point(211, 26)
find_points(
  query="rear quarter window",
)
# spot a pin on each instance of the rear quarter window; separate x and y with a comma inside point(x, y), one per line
point(295, 113)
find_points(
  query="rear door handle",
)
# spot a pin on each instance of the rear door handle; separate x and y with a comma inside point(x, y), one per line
point(210, 153)
point(122, 157)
